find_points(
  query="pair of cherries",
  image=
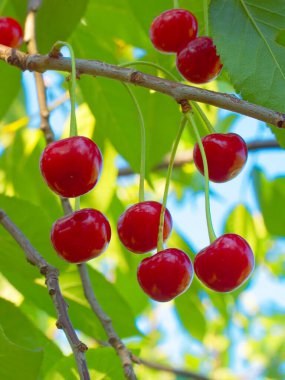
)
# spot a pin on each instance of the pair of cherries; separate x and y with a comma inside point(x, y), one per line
point(229, 260)
point(71, 167)
point(175, 31)
point(222, 266)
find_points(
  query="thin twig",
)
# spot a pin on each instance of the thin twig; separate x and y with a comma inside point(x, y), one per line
point(186, 157)
point(51, 274)
point(175, 371)
point(34, 5)
point(30, 39)
point(178, 91)
point(113, 338)
point(161, 367)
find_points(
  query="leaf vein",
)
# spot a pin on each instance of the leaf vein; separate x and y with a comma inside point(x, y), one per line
point(252, 20)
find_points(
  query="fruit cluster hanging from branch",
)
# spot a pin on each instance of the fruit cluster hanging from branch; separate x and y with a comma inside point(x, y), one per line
point(71, 167)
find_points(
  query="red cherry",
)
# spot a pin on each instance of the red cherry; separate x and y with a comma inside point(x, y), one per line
point(173, 29)
point(138, 226)
point(71, 167)
point(11, 33)
point(166, 274)
point(198, 62)
point(226, 264)
point(226, 156)
point(81, 236)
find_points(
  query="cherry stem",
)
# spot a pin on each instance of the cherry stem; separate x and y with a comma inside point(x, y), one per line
point(72, 85)
point(203, 116)
point(72, 91)
point(206, 22)
point(77, 204)
point(175, 4)
point(167, 183)
point(211, 231)
point(143, 142)
point(195, 105)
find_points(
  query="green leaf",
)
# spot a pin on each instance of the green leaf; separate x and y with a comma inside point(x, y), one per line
point(271, 199)
point(223, 125)
point(280, 38)
point(257, 66)
point(13, 264)
point(18, 362)
point(63, 15)
point(10, 86)
point(240, 221)
point(108, 297)
point(35, 223)
point(101, 196)
point(107, 365)
point(103, 364)
point(191, 313)
point(20, 161)
point(112, 20)
point(24, 333)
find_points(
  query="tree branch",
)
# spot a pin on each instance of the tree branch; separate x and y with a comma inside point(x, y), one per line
point(178, 91)
point(113, 338)
point(30, 39)
point(186, 157)
point(51, 274)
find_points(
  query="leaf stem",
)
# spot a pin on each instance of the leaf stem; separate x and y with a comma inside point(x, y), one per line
point(211, 231)
point(206, 21)
point(143, 142)
point(167, 182)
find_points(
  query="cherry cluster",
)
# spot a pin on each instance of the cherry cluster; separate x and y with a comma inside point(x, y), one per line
point(11, 33)
point(71, 167)
point(222, 266)
point(175, 31)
